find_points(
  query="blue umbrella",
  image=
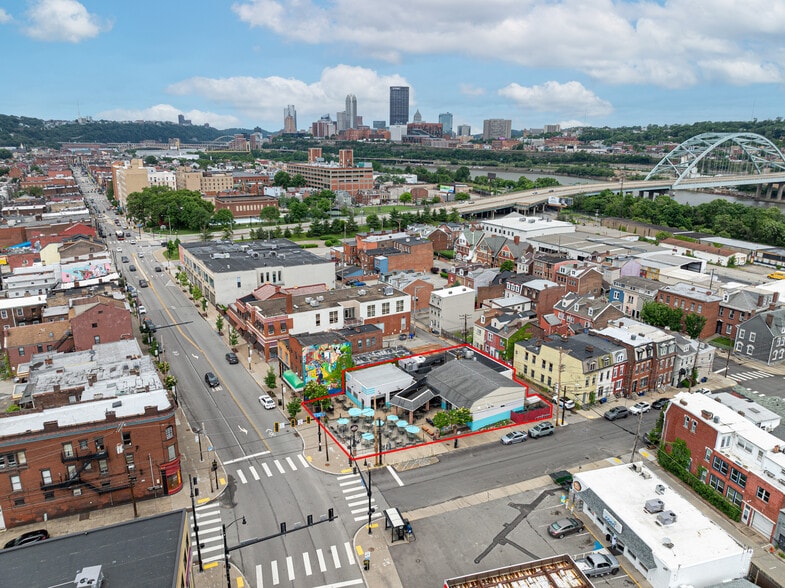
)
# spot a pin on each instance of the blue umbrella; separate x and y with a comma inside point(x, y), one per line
point(368, 412)
point(343, 422)
point(402, 424)
point(392, 417)
point(368, 436)
point(355, 412)
point(412, 429)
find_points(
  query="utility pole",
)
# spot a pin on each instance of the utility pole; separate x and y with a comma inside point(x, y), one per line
point(465, 318)
point(559, 370)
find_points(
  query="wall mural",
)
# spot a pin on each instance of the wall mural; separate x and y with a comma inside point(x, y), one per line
point(319, 360)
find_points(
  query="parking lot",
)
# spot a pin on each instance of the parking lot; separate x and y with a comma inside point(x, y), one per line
point(495, 534)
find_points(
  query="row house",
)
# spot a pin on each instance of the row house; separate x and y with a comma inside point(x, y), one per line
point(691, 356)
point(722, 255)
point(494, 328)
point(466, 244)
point(585, 312)
point(640, 350)
point(741, 461)
point(665, 351)
point(487, 250)
point(762, 337)
point(402, 254)
point(544, 265)
point(579, 277)
point(17, 312)
point(692, 299)
point(739, 305)
point(544, 294)
point(632, 292)
point(584, 367)
point(355, 249)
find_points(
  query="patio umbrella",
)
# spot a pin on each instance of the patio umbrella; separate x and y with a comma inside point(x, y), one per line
point(412, 429)
point(392, 417)
point(402, 424)
point(355, 412)
point(367, 436)
point(368, 412)
point(343, 422)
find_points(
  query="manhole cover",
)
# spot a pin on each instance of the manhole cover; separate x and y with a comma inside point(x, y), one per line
point(371, 549)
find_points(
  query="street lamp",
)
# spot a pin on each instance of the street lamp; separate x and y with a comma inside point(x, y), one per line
point(352, 445)
point(226, 548)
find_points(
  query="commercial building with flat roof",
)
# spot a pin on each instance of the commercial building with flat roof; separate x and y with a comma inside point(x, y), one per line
point(224, 271)
point(525, 227)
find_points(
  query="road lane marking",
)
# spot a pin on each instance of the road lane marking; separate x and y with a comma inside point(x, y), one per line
point(291, 464)
point(375, 515)
point(349, 552)
point(395, 476)
point(267, 470)
point(347, 476)
point(274, 570)
point(279, 466)
point(303, 460)
point(290, 568)
point(353, 496)
point(247, 457)
point(345, 584)
point(307, 563)
point(241, 475)
point(259, 577)
point(253, 473)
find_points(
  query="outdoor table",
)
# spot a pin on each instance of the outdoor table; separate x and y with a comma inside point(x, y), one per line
point(355, 413)
point(368, 412)
point(412, 430)
point(342, 422)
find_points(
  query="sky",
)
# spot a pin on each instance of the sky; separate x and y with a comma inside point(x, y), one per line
point(536, 62)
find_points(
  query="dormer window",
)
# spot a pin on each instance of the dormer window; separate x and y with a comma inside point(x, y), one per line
point(577, 307)
point(591, 312)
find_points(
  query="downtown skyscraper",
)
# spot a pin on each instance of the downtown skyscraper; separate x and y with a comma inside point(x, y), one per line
point(399, 105)
point(445, 119)
point(351, 111)
point(289, 119)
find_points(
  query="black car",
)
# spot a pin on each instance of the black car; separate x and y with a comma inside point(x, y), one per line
point(231, 357)
point(211, 380)
point(617, 412)
point(143, 284)
point(660, 403)
point(149, 326)
point(131, 268)
point(29, 537)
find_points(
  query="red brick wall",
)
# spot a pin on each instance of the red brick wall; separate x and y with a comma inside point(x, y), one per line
point(105, 321)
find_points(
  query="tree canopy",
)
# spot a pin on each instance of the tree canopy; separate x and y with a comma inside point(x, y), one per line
point(157, 206)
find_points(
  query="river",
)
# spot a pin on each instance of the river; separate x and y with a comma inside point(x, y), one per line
point(690, 197)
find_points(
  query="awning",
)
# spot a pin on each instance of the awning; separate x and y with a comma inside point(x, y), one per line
point(294, 381)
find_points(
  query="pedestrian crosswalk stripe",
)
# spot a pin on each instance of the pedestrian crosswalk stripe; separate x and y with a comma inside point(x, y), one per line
point(241, 476)
point(253, 473)
point(375, 515)
point(267, 471)
point(291, 463)
point(279, 466)
point(322, 564)
point(358, 503)
point(303, 461)
point(351, 482)
point(290, 567)
point(336, 559)
point(349, 552)
point(307, 563)
point(753, 375)
point(274, 570)
point(353, 496)
point(347, 476)
point(259, 580)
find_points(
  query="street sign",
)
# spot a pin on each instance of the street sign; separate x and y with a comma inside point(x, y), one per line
point(318, 415)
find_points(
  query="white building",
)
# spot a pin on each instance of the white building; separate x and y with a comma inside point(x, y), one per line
point(451, 309)
point(676, 546)
point(381, 381)
point(161, 178)
point(525, 227)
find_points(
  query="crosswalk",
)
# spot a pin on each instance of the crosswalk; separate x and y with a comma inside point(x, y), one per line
point(208, 517)
point(356, 497)
point(269, 469)
point(753, 375)
point(306, 564)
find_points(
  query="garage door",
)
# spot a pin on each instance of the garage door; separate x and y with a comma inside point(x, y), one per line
point(763, 525)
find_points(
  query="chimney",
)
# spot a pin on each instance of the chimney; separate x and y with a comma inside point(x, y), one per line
point(289, 303)
point(769, 319)
point(516, 239)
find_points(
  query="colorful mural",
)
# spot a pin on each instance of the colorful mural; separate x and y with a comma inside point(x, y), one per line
point(319, 360)
point(84, 271)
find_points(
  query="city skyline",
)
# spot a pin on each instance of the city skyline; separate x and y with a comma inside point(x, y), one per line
point(566, 62)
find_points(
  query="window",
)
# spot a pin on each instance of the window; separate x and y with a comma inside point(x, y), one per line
point(752, 337)
point(49, 495)
point(385, 308)
point(4, 314)
point(707, 454)
point(399, 306)
point(16, 484)
point(763, 494)
point(239, 282)
point(371, 310)
point(20, 312)
point(333, 317)
point(72, 473)
point(686, 422)
point(169, 432)
point(694, 426)
point(46, 476)
point(734, 496)
point(750, 349)
point(97, 339)
point(359, 343)
point(716, 483)
point(126, 438)
point(731, 314)
point(171, 452)
point(68, 450)
point(271, 329)
point(283, 326)
point(700, 308)
point(21, 351)
point(720, 465)
point(318, 319)
point(738, 478)
point(741, 334)
point(103, 466)
point(99, 444)
point(83, 444)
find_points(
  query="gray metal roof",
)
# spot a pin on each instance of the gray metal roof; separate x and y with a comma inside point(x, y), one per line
point(226, 257)
point(464, 382)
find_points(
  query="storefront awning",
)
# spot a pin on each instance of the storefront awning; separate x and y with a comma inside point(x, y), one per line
point(294, 381)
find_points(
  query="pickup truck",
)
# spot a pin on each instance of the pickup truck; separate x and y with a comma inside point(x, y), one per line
point(598, 564)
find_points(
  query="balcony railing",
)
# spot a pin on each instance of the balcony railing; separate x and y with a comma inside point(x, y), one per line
point(97, 454)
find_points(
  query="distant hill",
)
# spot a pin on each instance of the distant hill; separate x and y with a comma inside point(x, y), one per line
point(34, 132)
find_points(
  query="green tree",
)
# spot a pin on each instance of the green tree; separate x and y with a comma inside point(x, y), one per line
point(454, 418)
point(373, 222)
point(507, 265)
point(269, 379)
point(205, 233)
point(150, 160)
point(406, 197)
point(196, 292)
point(204, 304)
point(522, 334)
point(314, 390)
point(6, 154)
point(234, 336)
point(223, 218)
point(219, 323)
point(282, 179)
point(269, 213)
point(293, 407)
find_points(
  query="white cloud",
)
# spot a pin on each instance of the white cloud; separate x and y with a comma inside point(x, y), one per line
point(571, 97)
point(471, 90)
point(168, 113)
point(4, 17)
point(62, 20)
point(670, 43)
point(572, 124)
point(264, 99)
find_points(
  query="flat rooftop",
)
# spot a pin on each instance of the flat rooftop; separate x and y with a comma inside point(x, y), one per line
point(695, 537)
point(228, 257)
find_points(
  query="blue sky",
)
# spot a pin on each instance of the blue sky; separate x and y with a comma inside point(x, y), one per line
point(589, 62)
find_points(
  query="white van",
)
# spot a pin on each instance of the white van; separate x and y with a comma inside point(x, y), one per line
point(266, 402)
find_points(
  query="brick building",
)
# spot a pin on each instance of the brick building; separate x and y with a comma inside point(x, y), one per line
point(693, 299)
point(331, 176)
point(397, 254)
point(104, 321)
point(544, 265)
point(578, 277)
point(740, 305)
point(543, 293)
point(27, 310)
point(22, 342)
point(742, 462)
point(244, 205)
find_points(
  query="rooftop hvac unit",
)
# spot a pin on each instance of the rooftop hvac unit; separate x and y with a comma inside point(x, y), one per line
point(659, 489)
point(314, 303)
point(654, 505)
point(362, 292)
point(308, 300)
point(666, 518)
point(388, 291)
point(320, 298)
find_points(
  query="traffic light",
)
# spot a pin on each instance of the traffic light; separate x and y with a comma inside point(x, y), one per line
point(276, 426)
point(310, 520)
point(293, 422)
point(330, 514)
point(283, 528)
point(308, 420)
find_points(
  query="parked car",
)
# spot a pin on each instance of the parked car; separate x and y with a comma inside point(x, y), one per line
point(133, 241)
point(703, 390)
point(141, 254)
point(403, 337)
point(617, 412)
point(158, 269)
point(142, 309)
point(143, 284)
point(640, 407)
point(267, 402)
point(564, 527)
point(211, 380)
point(149, 326)
point(542, 429)
point(563, 402)
point(231, 357)
point(598, 564)
point(513, 437)
point(131, 268)
point(660, 403)
point(124, 259)
point(29, 537)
